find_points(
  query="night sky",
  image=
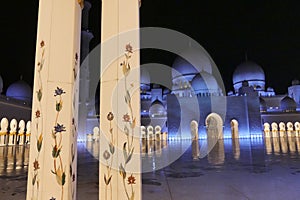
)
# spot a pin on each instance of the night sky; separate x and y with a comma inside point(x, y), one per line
point(269, 31)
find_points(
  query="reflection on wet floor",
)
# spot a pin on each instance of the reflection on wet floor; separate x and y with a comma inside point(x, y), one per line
point(14, 160)
point(282, 145)
point(167, 163)
point(217, 155)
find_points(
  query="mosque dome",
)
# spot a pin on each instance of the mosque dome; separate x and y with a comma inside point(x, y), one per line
point(1, 85)
point(20, 90)
point(251, 72)
point(288, 104)
point(157, 109)
point(205, 83)
point(191, 62)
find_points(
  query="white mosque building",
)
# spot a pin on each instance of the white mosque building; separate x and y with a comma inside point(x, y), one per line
point(197, 93)
point(193, 92)
point(193, 95)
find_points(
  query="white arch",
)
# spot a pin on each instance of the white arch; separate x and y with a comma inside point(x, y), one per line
point(297, 128)
point(3, 131)
point(274, 126)
point(234, 124)
point(282, 129)
point(214, 125)
point(289, 128)
point(266, 129)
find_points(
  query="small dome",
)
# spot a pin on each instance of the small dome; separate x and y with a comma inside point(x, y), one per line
point(251, 72)
point(157, 109)
point(269, 89)
point(20, 90)
point(288, 104)
point(1, 85)
point(205, 83)
point(192, 62)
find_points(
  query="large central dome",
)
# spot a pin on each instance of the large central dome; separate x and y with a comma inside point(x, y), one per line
point(252, 73)
point(185, 67)
point(205, 83)
point(192, 62)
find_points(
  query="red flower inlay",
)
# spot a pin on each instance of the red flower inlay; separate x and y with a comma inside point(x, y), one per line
point(126, 118)
point(131, 180)
point(36, 165)
point(38, 114)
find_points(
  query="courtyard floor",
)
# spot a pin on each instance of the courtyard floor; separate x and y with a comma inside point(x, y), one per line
point(255, 169)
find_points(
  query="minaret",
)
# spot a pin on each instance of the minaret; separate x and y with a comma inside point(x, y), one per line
point(84, 73)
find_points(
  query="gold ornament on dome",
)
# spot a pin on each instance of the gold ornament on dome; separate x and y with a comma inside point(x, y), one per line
point(81, 3)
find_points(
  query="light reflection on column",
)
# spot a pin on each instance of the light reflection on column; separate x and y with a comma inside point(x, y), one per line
point(11, 159)
point(236, 148)
point(164, 144)
point(158, 148)
point(217, 155)
point(3, 158)
point(143, 147)
point(298, 144)
point(14, 160)
point(292, 144)
point(283, 144)
point(276, 145)
point(150, 149)
point(96, 148)
point(268, 145)
point(195, 150)
point(26, 155)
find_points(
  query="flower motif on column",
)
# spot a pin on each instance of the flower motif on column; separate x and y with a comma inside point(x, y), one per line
point(108, 156)
point(38, 120)
point(59, 169)
point(129, 125)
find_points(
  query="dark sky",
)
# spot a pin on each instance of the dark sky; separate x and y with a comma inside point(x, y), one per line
point(268, 30)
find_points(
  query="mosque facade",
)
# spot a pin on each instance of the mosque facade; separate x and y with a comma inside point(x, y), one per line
point(192, 95)
point(192, 92)
point(195, 94)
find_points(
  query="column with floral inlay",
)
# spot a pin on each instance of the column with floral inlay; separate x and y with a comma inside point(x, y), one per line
point(120, 163)
point(53, 147)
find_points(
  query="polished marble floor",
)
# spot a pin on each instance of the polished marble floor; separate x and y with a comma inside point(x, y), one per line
point(258, 169)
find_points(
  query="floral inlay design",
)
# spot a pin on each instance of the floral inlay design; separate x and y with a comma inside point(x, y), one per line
point(129, 121)
point(74, 128)
point(59, 169)
point(38, 120)
point(129, 125)
point(108, 156)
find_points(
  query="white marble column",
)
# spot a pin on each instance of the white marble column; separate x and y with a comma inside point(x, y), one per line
point(120, 163)
point(53, 148)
